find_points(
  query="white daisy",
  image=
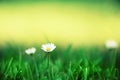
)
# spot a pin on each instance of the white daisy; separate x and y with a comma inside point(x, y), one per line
point(30, 51)
point(49, 47)
point(111, 44)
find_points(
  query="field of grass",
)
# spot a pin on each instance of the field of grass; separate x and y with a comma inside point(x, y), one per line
point(63, 22)
point(65, 63)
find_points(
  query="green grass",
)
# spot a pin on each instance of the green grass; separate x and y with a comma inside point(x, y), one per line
point(68, 63)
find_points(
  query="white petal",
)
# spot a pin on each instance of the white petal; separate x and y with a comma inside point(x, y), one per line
point(30, 50)
point(48, 45)
point(111, 44)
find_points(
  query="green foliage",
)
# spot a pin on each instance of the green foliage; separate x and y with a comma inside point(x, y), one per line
point(82, 63)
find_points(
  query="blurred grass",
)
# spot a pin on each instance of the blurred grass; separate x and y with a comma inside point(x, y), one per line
point(68, 63)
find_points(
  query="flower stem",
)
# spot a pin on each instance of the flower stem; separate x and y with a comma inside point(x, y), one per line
point(36, 67)
point(48, 61)
point(20, 59)
point(114, 60)
point(113, 63)
point(49, 67)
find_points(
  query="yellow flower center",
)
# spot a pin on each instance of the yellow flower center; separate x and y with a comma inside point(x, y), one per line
point(48, 48)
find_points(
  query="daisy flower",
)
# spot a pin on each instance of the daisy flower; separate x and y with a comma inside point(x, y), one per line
point(49, 47)
point(111, 44)
point(30, 50)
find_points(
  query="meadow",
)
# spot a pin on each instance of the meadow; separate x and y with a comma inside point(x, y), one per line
point(85, 24)
point(65, 63)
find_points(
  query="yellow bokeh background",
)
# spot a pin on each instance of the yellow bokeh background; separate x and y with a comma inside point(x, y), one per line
point(64, 23)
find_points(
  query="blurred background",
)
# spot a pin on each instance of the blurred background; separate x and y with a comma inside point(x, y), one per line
point(59, 21)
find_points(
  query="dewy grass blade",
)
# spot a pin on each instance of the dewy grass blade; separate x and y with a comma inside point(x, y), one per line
point(114, 58)
point(20, 59)
point(9, 64)
point(27, 71)
point(113, 64)
point(85, 73)
point(30, 72)
point(36, 68)
point(70, 71)
point(52, 73)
